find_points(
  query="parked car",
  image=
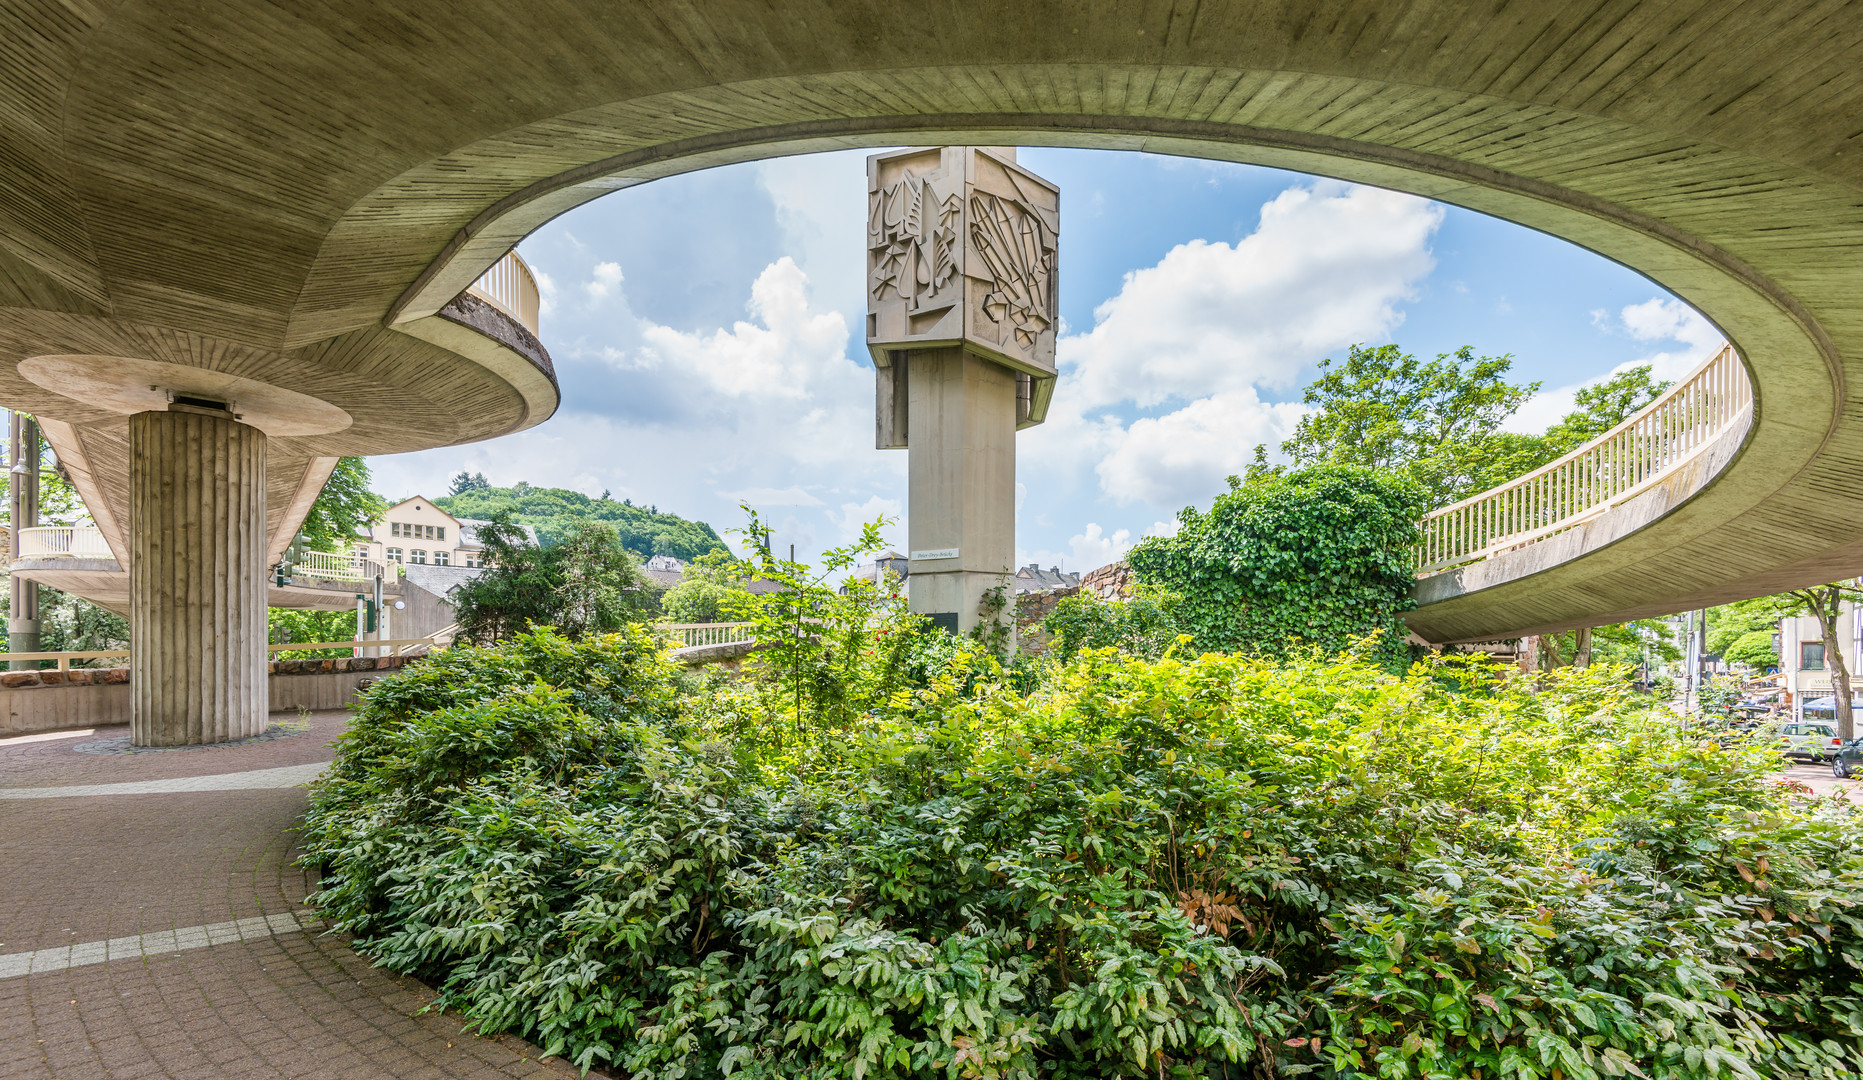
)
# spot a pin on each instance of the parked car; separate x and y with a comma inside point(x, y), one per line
point(1806, 740)
point(1848, 761)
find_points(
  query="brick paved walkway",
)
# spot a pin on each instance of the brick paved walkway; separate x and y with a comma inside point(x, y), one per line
point(156, 929)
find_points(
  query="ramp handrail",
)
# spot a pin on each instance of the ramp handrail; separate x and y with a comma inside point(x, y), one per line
point(330, 566)
point(1616, 466)
point(512, 288)
point(63, 542)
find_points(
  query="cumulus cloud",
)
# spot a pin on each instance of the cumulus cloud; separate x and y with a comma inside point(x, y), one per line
point(1184, 456)
point(729, 415)
point(1327, 266)
point(604, 282)
point(1212, 325)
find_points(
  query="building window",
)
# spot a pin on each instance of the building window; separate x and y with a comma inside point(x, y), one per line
point(394, 554)
point(1811, 656)
point(417, 557)
point(439, 558)
point(472, 561)
point(439, 532)
point(362, 552)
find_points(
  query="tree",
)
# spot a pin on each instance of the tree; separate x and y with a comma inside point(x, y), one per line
point(1602, 407)
point(553, 512)
point(1436, 421)
point(465, 482)
point(1825, 603)
point(707, 591)
point(344, 505)
point(585, 584)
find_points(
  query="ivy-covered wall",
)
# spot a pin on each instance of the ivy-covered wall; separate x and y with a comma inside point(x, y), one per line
point(1315, 556)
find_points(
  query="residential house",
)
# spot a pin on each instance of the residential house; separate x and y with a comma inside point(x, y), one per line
point(1032, 578)
point(1806, 668)
point(415, 532)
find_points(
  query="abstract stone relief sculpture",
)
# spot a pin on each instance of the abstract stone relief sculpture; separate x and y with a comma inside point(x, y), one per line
point(962, 246)
point(1017, 250)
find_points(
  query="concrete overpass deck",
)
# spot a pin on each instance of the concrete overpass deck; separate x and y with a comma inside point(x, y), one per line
point(297, 196)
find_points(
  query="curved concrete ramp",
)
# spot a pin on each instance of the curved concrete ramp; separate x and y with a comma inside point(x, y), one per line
point(296, 190)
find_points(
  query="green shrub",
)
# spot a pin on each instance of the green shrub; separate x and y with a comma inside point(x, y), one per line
point(1317, 556)
point(1145, 624)
point(1213, 867)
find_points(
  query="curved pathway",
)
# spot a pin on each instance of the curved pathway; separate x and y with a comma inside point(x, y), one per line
point(152, 924)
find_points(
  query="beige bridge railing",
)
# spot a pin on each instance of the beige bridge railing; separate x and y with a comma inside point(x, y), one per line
point(720, 633)
point(1615, 467)
point(511, 287)
point(63, 542)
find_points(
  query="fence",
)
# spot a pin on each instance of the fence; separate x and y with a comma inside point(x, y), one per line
point(327, 566)
point(1617, 466)
point(689, 634)
point(402, 646)
point(63, 542)
point(510, 286)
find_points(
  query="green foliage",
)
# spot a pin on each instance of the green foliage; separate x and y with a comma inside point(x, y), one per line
point(1219, 867)
point(1144, 624)
point(1601, 407)
point(1754, 649)
point(587, 583)
point(288, 625)
point(1729, 623)
point(556, 512)
point(707, 589)
point(69, 623)
point(1437, 421)
point(344, 505)
point(464, 482)
point(1318, 556)
point(828, 648)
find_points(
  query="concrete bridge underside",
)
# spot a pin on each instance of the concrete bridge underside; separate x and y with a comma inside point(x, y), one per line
point(294, 194)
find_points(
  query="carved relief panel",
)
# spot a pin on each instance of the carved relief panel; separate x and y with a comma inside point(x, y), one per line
point(962, 246)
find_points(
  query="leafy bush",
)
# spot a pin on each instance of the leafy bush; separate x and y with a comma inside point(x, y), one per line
point(1318, 556)
point(1144, 624)
point(586, 583)
point(1216, 867)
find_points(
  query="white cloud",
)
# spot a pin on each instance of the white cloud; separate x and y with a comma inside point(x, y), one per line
point(821, 208)
point(1326, 267)
point(606, 281)
point(773, 356)
point(546, 293)
point(1184, 456)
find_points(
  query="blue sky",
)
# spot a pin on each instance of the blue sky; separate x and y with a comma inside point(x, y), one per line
point(704, 328)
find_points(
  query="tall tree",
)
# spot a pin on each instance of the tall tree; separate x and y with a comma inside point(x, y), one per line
point(1825, 603)
point(1437, 421)
point(465, 482)
point(344, 505)
point(586, 583)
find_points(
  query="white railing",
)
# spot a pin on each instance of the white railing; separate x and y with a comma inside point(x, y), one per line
point(718, 633)
point(326, 566)
point(510, 286)
point(1611, 469)
point(63, 542)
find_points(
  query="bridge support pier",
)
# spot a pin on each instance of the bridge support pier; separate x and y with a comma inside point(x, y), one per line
point(196, 577)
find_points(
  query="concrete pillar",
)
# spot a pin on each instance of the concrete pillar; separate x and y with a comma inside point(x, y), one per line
point(22, 628)
point(961, 483)
point(196, 578)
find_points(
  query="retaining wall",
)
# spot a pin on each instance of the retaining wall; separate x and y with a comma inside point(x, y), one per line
point(35, 701)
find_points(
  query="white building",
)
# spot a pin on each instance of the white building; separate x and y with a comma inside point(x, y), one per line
point(1803, 663)
point(415, 532)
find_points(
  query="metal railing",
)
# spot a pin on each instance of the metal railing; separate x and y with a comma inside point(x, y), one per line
point(1613, 468)
point(63, 542)
point(510, 286)
point(328, 566)
point(690, 634)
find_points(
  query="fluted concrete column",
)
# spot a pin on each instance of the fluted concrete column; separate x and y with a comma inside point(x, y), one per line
point(196, 578)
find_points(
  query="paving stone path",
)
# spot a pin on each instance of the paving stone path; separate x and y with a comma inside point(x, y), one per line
point(153, 924)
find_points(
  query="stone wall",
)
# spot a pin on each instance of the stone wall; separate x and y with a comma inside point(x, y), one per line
point(35, 701)
point(1031, 609)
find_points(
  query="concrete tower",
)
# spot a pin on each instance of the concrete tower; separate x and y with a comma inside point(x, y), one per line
point(962, 248)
